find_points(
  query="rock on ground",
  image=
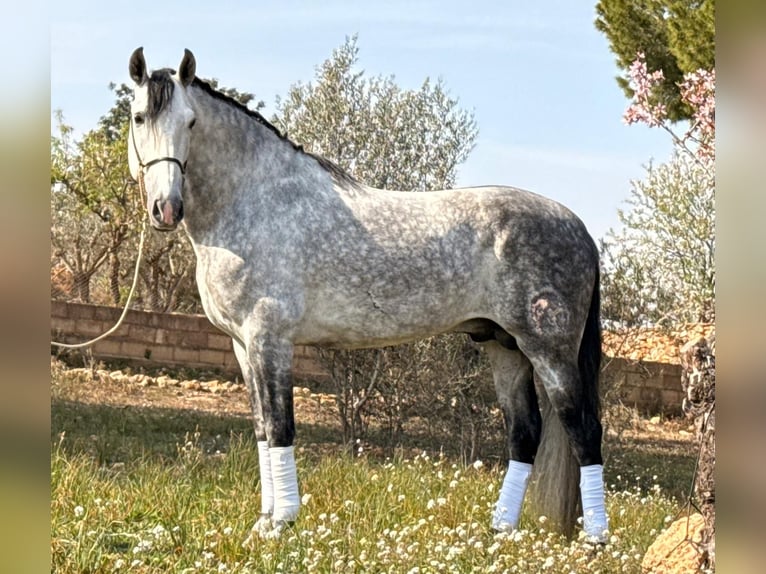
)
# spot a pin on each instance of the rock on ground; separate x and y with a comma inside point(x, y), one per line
point(678, 549)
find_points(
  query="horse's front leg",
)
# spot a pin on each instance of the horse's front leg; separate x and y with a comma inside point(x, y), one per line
point(263, 523)
point(271, 358)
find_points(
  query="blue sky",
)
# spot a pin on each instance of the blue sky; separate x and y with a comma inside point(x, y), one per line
point(538, 76)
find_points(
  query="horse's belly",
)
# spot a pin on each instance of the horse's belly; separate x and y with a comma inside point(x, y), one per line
point(367, 320)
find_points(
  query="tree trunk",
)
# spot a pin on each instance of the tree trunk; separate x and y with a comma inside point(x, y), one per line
point(82, 284)
point(114, 277)
point(698, 382)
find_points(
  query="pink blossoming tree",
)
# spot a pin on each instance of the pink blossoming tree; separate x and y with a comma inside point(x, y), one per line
point(697, 91)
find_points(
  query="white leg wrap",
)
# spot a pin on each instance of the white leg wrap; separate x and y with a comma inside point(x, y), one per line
point(267, 484)
point(595, 522)
point(287, 501)
point(508, 508)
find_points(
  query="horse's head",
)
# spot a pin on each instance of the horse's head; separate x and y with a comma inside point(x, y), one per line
point(161, 120)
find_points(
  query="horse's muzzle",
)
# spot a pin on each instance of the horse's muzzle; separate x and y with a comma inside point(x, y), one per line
point(166, 214)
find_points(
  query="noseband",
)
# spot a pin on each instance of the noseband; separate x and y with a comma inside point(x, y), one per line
point(145, 166)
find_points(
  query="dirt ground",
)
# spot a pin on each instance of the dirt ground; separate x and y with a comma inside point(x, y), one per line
point(157, 390)
point(208, 394)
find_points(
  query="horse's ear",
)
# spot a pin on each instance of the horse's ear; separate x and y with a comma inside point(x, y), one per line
point(137, 66)
point(188, 68)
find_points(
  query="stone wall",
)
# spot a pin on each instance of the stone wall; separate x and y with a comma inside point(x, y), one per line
point(177, 340)
point(652, 388)
point(157, 339)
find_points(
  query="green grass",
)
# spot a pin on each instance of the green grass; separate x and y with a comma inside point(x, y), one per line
point(141, 489)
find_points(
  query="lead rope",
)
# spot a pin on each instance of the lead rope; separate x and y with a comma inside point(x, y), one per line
point(132, 287)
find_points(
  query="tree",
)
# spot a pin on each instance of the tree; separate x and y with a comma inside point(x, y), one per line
point(91, 187)
point(382, 134)
point(677, 37)
point(660, 267)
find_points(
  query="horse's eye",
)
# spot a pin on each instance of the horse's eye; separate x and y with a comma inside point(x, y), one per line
point(191, 123)
point(138, 119)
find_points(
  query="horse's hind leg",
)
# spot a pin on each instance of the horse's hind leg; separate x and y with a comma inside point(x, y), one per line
point(575, 404)
point(512, 373)
point(264, 460)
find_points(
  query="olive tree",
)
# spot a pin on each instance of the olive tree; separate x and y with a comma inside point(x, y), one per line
point(660, 265)
point(383, 134)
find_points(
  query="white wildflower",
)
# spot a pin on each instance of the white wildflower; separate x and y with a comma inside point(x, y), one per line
point(142, 546)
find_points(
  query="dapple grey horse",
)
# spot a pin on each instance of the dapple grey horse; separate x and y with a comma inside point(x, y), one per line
point(291, 250)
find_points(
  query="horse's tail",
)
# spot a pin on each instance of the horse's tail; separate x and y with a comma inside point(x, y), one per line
point(556, 471)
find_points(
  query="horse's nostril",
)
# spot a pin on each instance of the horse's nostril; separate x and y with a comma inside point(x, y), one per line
point(156, 211)
point(180, 212)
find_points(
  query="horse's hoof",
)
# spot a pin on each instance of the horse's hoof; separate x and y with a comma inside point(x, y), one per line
point(591, 547)
point(597, 542)
point(266, 528)
point(283, 523)
point(277, 528)
point(262, 528)
point(500, 527)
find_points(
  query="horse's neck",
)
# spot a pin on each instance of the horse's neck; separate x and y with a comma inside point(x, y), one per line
point(234, 162)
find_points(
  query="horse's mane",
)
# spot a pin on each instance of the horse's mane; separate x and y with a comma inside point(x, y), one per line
point(161, 88)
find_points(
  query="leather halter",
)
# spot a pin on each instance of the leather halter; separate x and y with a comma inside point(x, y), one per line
point(145, 166)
